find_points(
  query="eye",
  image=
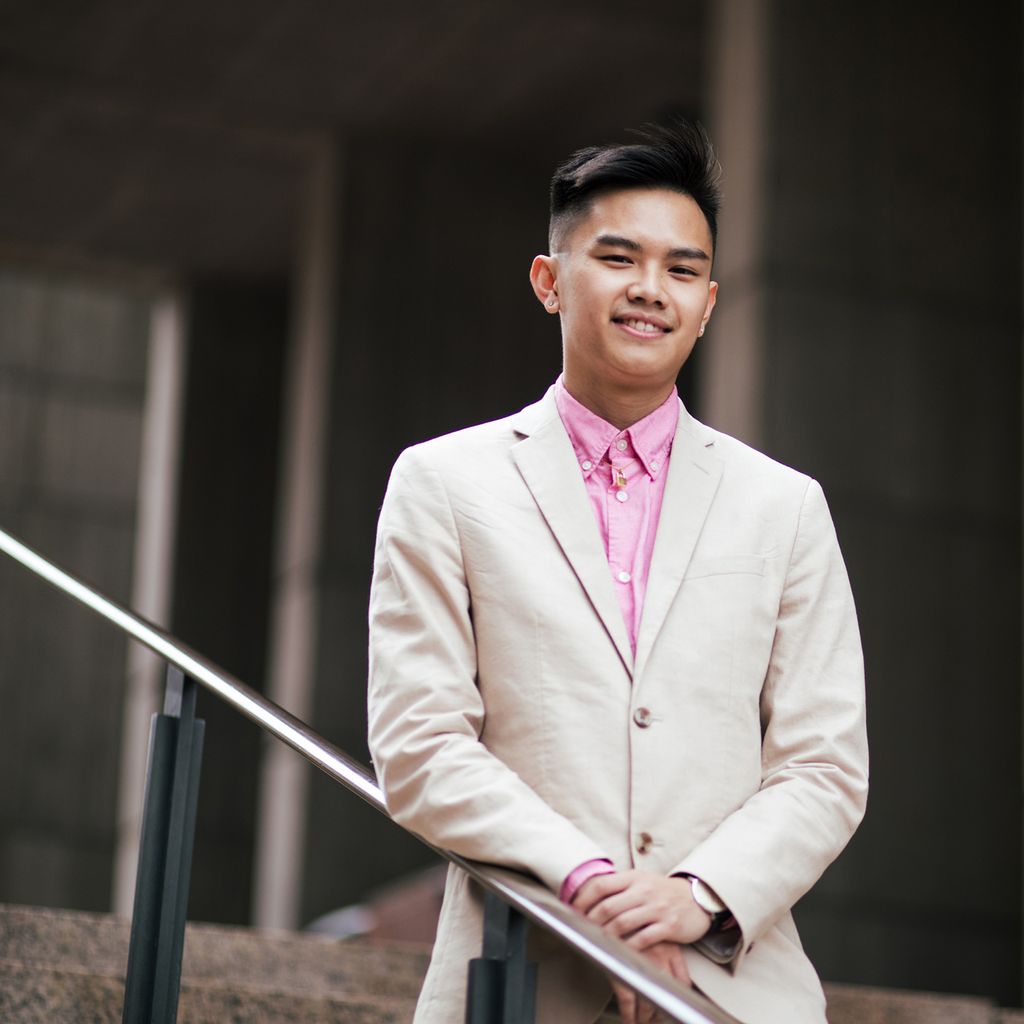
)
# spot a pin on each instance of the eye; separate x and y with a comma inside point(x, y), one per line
point(615, 258)
point(683, 271)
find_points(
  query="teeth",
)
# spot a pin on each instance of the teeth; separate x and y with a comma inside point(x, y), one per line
point(643, 325)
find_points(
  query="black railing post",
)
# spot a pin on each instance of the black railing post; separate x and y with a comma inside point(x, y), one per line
point(165, 857)
point(502, 983)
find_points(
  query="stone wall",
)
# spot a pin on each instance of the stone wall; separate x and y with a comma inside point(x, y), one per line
point(893, 373)
point(72, 376)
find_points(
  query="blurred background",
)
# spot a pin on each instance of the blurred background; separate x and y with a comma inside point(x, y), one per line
point(248, 255)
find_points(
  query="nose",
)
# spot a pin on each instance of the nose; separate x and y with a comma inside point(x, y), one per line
point(646, 288)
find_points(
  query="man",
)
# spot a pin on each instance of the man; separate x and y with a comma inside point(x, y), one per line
point(613, 647)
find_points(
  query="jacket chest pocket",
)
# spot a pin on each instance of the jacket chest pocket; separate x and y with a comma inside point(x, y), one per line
point(717, 639)
point(725, 565)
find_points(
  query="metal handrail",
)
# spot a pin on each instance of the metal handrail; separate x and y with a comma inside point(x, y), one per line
point(521, 892)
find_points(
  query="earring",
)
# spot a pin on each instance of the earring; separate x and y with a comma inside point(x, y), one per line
point(551, 303)
point(700, 333)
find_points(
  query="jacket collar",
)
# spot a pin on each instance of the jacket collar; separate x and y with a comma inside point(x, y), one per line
point(547, 463)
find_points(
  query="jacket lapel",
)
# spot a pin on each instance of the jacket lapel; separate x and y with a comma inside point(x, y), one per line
point(548, 466)
point(693, 477)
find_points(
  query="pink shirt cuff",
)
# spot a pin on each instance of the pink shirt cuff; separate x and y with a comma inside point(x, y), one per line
point(587, 870)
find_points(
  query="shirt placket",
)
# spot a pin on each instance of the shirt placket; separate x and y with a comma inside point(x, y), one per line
point(624, 506)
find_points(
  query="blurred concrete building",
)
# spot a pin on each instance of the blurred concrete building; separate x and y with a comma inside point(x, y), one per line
point(246, 257)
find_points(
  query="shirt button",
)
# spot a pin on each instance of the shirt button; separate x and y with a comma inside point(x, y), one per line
point(621, 445)
point(622, 496)
point(643, 717)
point(624, 577)
point(644, 842)
point(654, 464)
point(587, 465)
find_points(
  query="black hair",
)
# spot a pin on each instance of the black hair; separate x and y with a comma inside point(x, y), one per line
point(679, 157)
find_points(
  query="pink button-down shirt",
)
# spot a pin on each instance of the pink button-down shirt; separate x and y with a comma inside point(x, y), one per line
point(624, 472)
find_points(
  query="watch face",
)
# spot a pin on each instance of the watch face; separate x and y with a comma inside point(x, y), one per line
point(705, 898)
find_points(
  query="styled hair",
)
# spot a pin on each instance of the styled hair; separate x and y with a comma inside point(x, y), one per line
point(679, 157)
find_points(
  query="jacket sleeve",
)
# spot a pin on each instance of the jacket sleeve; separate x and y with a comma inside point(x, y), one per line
point(766, 854)
point(426, 714)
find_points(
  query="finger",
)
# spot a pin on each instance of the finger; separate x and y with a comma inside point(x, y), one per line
point(594, 890)
point(646, 1013)
point(677, 967)
point(670, 957)
point(612, 906)
point(625, 999)
point(600, 887)
point(649, 935)
point(634, 920)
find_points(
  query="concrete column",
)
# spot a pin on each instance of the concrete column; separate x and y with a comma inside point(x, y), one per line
point(281, 825)
point(151, 577)
point(732, 356)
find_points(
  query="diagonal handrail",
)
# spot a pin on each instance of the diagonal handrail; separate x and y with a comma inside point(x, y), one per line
point(527, 896)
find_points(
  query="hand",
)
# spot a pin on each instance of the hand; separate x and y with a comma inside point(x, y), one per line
point(643, 908)
point(635, 1010)
point(652, 913)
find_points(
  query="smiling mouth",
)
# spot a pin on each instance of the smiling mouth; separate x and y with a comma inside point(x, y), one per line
point(643, 326)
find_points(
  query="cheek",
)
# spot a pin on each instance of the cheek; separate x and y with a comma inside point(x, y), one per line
point(686, 344)
point(581, 319)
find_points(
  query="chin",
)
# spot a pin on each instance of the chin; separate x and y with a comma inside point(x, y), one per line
point(647, 370)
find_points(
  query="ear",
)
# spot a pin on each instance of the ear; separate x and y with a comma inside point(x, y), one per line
point(712, 299)
point(544, 278)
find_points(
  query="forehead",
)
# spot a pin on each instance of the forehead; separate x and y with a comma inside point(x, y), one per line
point(653, 217)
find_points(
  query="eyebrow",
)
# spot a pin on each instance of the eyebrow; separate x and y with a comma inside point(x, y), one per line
point(620, 242)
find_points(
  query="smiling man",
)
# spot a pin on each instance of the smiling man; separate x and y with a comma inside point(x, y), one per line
point(615, 648)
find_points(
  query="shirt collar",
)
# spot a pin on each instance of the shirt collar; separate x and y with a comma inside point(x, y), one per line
point(591, 436)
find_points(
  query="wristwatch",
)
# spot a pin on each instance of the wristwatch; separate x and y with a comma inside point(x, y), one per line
point(706, 899)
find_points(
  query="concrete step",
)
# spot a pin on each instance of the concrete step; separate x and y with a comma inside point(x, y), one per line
point(859, 1004)
point(65, 967)
point(215, 954)
point(38, 994)
point(68, 966)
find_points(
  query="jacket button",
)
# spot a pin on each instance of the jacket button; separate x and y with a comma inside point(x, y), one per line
point(644, 842)
point(643, 717)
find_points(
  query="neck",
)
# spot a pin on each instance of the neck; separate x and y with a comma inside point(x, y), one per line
point(622, 407)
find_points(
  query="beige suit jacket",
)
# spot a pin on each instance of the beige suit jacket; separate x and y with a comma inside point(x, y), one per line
point(503, 695)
